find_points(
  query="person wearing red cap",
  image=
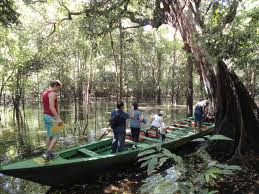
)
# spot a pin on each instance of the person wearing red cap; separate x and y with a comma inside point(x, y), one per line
point(51, 116)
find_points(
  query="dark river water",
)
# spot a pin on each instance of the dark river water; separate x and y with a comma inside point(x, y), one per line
point(83, 125)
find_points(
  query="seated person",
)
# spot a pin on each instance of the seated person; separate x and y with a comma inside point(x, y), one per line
point(158, 125)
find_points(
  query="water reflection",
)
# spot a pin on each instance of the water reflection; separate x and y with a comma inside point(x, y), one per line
point(83, 124)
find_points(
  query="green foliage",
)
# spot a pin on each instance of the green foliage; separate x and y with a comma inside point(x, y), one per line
point(8, 14)
point(213, 138)
point(220, 137)
point(183, 178)
point(154, 158)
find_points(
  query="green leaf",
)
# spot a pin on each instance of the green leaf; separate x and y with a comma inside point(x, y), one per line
point(213, 163)
point(220, 137)
point(167, 153)
point(199, 140)
point(233, 167)
point(158, 147)
point(146, 152)
point(162, 160)
point(151, 156)
point(212, 192)
point(144, 164)
point(228, 167)
point(227, 172)
point(207, 136)
point(207, 177)
point(151, 165)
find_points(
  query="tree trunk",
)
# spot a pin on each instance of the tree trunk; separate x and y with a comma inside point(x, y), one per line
point(116, 64)
point(121, 60)
point(173, 73)
point(237, 113)
point(189, 91)
point(158, 91)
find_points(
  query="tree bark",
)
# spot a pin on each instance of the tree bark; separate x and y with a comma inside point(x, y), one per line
point(121, 60)
point(189, 90)
point(158, 90)
point(237, 113)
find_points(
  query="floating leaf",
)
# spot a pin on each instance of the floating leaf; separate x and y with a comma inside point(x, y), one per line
point(220, 137)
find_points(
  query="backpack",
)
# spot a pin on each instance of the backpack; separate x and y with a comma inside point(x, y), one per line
point(114, 121)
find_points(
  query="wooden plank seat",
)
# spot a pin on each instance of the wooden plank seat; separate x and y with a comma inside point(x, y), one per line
point(88, 152)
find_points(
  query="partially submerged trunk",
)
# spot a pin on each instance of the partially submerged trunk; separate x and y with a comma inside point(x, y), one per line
point(237, 113)
point(189, 90)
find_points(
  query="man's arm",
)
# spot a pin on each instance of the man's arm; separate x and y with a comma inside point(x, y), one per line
point(52, 97)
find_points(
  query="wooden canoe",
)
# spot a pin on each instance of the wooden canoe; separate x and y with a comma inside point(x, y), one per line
point(81, 163)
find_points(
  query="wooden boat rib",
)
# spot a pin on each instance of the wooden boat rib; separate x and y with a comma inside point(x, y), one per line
point(81, 163)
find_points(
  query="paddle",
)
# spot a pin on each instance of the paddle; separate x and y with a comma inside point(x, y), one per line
point(105, 133)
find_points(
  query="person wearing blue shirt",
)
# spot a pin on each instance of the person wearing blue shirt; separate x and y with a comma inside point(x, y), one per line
point(119, 118)
point(135, 118)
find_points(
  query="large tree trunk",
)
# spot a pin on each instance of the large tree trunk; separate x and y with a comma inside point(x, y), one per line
point(189, 90)
point(237, 113)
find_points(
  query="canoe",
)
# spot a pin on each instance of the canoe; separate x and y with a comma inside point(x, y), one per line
point(79, 164)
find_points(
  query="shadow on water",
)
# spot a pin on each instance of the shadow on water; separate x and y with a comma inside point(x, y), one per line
point(83, 125)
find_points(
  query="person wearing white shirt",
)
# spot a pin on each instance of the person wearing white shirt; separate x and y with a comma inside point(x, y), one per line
point(158, 125)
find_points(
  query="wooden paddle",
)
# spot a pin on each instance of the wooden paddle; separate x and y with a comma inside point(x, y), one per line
point(105, 133)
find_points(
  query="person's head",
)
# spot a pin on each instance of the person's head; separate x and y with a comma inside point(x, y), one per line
point(135, 105)
point(120, 105)
point(161, 113)
point(55, 85)
point(206, 102)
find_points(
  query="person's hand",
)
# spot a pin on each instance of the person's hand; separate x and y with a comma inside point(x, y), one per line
point(60, 122)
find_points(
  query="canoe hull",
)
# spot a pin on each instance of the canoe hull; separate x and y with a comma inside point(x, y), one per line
point(84, 169)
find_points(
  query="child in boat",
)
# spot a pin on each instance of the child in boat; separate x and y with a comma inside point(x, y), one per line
point(135, 118)
point(158, 125)
point(199, 110)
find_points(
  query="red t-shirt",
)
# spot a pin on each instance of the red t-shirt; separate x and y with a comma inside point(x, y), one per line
point(45, 101)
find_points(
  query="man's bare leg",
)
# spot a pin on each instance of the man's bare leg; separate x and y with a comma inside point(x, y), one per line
point(52, 143)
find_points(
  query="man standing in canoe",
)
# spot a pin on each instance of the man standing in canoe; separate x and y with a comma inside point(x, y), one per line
point(118, 125)
point(51, 116)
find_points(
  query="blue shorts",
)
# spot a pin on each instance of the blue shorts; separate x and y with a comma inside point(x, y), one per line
point(197, 117)
point(50, 125)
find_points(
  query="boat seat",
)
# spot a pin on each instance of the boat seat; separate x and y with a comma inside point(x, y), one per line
point(150, 139)
point(88, 152)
